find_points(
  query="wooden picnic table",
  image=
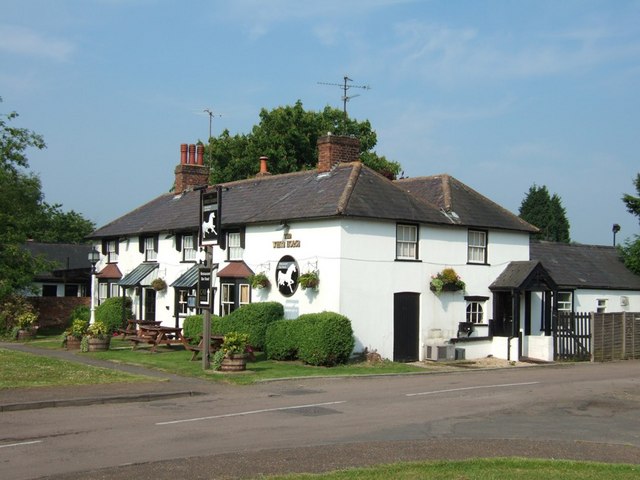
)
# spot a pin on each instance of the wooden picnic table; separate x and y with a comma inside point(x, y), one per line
point(133, 325)
point(215, 344)
point(158, 335)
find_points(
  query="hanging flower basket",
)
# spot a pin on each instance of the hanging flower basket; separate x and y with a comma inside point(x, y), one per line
point(309, 280)
point(259, 280)
point(158, 284)
point(446, 281)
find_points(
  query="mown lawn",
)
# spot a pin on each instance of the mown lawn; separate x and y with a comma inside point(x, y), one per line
point(177, 360)
point(482, 469)
point(26, 370)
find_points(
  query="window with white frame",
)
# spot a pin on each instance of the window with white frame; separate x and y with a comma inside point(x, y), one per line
point(245, 294)
point(103, 292)
point(234, 244)
point(475, 312)
point(228, 298)
point(602, 305)
point(564, 302)
point(477, 246)
point(188, 248)
point(112, 251)
point(150, 253)
point(183, 301)
point(406, 242)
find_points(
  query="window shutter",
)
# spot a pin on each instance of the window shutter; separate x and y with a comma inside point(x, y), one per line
point(104, 247)
point(179, 242)
point(117, 240)
point(141, 244)
point(155, 243)
point(242, 237)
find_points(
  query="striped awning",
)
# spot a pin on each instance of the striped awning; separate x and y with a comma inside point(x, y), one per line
point(188, 279)
point(137, 276)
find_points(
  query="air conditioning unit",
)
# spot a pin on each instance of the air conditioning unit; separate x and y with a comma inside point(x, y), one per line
point(440, 352)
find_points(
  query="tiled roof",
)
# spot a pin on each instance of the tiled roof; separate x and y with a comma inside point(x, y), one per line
point(67, 256)
point(584, 266)
point(463, 205)
point(348, 190)
point(524, 275)
point(235, 270)
point(110, 271)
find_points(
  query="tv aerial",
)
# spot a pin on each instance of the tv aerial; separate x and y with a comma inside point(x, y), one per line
point(209, 112)
point(345, 86)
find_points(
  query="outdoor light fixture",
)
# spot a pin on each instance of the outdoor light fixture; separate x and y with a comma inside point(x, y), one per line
point(615, 229)
point(93, 257)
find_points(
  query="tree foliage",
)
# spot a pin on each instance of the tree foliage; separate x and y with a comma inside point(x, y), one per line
point(23, 212)
point(547, 213)
point(631, 249)
point(288, 136)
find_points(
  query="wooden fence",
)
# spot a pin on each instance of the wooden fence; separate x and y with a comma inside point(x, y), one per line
point(598, 337)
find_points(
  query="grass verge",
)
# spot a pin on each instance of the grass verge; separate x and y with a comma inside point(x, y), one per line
point(482, 469)
point(25, 370)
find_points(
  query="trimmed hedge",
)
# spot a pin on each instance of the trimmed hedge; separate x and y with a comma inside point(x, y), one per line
point(327, 339)
point(253, 319)
point(109, 312)
point(315, 338)
point(282, 340)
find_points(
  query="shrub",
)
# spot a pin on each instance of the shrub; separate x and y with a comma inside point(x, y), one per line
point(192, 327)
point(109, 312)
point(253, 319)
point(81, 312)
point(13, 309)
point(282, 339)
point(327, 338)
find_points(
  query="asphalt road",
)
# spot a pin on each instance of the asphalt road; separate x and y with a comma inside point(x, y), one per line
point(582, 411)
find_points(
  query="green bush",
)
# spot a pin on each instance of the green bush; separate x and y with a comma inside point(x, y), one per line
point(81, 312)
point(252, 319)
point(12, 308)
point(109, 312)
point(282, 339)
point(192, 327)
point(327, 338)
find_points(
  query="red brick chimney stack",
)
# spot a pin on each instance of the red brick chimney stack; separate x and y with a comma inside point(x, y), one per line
point(191, 172)
point(264, 168)
point(334, 149)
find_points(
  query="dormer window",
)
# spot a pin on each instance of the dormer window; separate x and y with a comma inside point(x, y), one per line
point(149, 247)
point(112, 251)
point(188, 248)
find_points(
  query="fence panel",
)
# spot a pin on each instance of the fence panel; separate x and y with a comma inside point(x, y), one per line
point(616, 336)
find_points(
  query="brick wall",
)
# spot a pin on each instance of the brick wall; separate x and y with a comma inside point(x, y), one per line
point(55, 311)
point(334, 149)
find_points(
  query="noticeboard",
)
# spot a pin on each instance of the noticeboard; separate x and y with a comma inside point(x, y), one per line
point(204, 288)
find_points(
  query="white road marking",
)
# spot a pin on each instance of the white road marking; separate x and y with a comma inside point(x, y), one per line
point(471, 388)
point(20, 444)
point(250, 412)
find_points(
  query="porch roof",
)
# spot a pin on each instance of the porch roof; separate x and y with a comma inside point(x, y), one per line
point(137, 275)
point(523, 276)
point(188, 279)
point(235, 270)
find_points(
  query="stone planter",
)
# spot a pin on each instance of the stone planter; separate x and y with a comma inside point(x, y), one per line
point(236, 362)
point(98, 344)
point(73, 343)
point(28, 334)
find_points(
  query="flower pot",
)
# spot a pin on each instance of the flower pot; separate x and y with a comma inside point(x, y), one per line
point(98, 344)
point(73, 343)
point(235, 362)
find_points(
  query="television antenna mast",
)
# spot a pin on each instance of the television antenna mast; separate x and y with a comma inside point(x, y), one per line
point(345, 88)
point(209, 112)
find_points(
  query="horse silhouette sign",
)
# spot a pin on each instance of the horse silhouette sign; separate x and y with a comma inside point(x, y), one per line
point(287, 275)
point(210, 217)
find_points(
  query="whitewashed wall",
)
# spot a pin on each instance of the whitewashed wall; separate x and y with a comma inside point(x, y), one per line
point(617, 300)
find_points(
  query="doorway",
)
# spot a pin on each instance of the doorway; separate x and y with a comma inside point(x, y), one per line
point(406, 326)
point(149, 304)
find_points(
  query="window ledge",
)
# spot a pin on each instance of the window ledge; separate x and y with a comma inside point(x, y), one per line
point(409, 260)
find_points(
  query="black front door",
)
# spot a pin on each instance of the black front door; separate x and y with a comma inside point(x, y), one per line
point(503, 314)
point(149, 304)
point(406, 326)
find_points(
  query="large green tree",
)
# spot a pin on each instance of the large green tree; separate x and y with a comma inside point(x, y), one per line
point(288, 136)
point(23, 212)
point(631, 248)
point(546, 212)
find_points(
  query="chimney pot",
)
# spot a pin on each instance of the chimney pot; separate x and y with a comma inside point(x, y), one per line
point(263, 165)
point(183, 153)
point(200, 154)
point(192, 154)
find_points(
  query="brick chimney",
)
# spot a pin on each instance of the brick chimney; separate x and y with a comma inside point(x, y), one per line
point(191, 172)
point(264, 169)
point(334, 149)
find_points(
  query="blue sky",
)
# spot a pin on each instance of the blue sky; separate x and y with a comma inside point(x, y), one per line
point(499, 94)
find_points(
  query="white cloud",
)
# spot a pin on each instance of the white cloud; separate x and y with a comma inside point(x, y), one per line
point(25, 41)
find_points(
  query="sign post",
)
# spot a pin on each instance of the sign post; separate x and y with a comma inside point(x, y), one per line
point(210, 235)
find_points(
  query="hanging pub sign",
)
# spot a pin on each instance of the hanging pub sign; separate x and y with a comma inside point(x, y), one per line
point(287, 275)
point(204, 288)
point(210, 217)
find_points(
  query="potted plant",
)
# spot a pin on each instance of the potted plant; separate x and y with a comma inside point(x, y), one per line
point(309, 280)
point(259, 280)
point(447, 280)
point(73, 335)
point(97, 338)
point(234, 347)
point(25, 324)
point(158, 284)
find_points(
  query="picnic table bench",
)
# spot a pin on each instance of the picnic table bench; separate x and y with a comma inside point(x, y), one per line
point(214, 345)
point(133, 326)
point(158, 335)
